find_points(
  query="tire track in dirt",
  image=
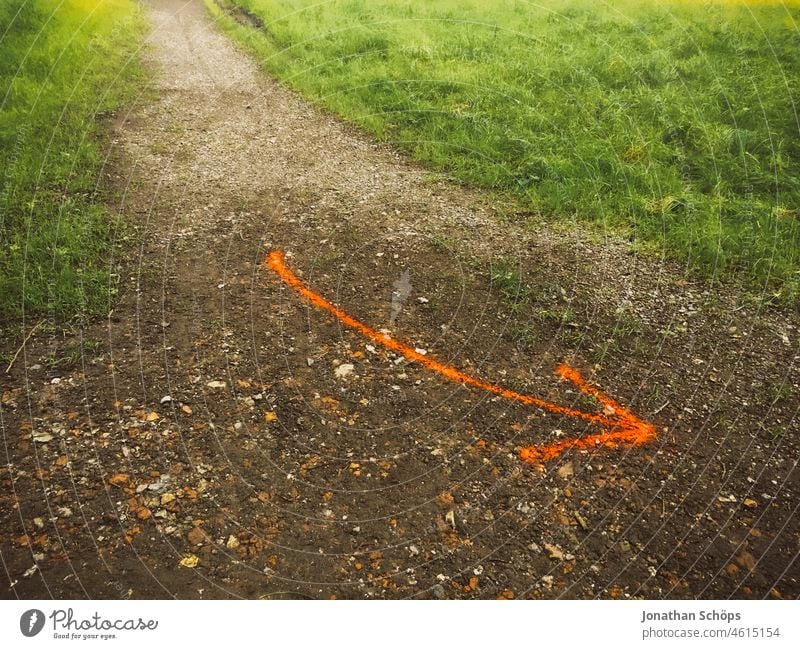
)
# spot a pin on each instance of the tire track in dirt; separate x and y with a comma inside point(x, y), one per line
point(216, 421)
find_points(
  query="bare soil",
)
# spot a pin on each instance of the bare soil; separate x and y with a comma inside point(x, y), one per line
point(200, 443)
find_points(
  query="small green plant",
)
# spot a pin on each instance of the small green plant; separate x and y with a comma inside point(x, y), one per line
point(161, 148)
point(72, 355)
point(91, 346)
point(602, 351)
point(440, 243)
point(627, 325)
point(572, 337)
point(524, 334)
point(505, 278)
point(776, 432)
point(774, 392)
point(558, 316)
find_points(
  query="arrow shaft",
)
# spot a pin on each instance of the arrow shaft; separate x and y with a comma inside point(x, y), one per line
point(276, 263)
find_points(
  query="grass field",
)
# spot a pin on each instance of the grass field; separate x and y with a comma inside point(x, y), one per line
point(63, 64)
point(674, 122)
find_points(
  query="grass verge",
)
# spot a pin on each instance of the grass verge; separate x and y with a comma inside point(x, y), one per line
point(672, 122)
point(64, 64)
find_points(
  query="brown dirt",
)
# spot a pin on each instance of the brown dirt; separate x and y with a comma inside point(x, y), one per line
point(290, 481)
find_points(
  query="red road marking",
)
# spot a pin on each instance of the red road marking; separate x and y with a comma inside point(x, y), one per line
point(619, 426)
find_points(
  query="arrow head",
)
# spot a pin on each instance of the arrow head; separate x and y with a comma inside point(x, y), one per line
point(620, 427)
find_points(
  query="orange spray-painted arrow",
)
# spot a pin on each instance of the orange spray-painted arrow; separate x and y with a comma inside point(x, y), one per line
point(619, 426)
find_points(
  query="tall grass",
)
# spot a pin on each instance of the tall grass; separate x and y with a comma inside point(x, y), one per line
point(674, 122)
point(63, 65)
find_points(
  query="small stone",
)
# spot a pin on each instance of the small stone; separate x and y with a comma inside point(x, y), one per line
point(216, 384)
point(189, 561)
point(197, 536)
point(165, 399)
point(413, 550)
point(42, 438)
point(746, 561)
point(344, 370)
point(157, 486)
point(232, 542)
point(554, 552)
point(547, 580)
point(438, 591)
point(565, 470)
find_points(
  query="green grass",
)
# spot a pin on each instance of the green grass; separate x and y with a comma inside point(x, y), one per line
point(673, 123)
point(505, 278)
point(63, 65)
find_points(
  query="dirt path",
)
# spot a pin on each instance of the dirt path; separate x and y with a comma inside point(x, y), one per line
point(217, 420)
